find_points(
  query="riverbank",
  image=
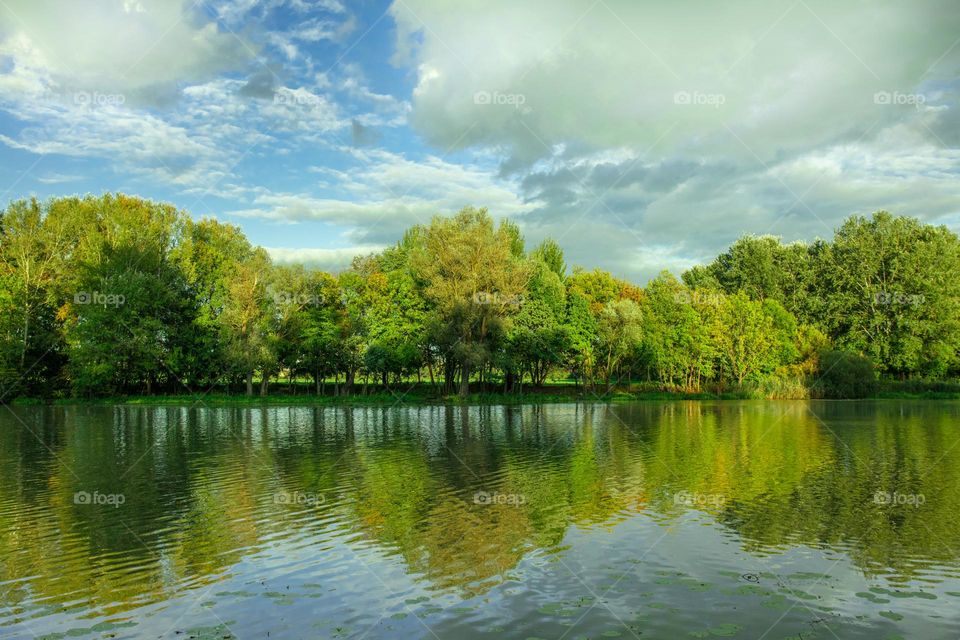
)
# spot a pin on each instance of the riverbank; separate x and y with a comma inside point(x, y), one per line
point(429, 396)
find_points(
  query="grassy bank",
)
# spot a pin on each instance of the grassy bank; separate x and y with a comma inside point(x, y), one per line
point(425, 395)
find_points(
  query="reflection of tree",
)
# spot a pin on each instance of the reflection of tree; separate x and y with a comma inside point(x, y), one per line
point(199, 485)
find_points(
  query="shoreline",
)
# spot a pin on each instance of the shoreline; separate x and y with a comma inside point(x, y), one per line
point(387, 400)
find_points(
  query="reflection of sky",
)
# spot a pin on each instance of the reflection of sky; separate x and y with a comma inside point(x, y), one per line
point(664, 578)
point(602, 477)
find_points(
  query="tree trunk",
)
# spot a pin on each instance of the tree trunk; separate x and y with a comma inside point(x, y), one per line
point(347, 388)
point(264, 384)
point(249, 383)
point(464, 380)
point(26, 339)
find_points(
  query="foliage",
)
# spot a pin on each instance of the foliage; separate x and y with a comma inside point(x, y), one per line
point(845, 375)
point(116, 295)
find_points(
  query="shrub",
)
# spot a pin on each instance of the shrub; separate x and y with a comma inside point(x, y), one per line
point(843, 374)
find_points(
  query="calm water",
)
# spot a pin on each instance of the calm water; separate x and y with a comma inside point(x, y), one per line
point(748, 520)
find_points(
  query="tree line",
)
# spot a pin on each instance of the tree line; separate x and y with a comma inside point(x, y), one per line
point(116, 295)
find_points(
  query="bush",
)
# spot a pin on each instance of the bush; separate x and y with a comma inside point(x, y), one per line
point(843, 374)
point(781, 387)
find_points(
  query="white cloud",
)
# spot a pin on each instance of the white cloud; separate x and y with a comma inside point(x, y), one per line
point(57, 178)
point(143, 49)
point(332, 260)
point(781, 76)
point(652, 135)
point(388, 192)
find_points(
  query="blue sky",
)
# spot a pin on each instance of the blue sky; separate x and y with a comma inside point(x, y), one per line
point(641, 135)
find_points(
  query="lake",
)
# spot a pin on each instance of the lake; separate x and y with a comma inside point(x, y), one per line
point(641, 520)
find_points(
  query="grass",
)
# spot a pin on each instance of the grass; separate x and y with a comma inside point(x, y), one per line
point(426, 395)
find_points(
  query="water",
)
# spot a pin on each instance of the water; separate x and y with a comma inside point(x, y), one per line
point(646, 520)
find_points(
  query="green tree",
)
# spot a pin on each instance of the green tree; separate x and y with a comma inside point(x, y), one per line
point(887, 289)
point(33, 245)
point(473, 277)
point(123, 317)
point(745, 338)
point(245, 321)
point(618, 335)
point(208, 257)
point(550, 253)
point(678, 342)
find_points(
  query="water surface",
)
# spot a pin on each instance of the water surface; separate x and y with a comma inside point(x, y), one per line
point(645, 520)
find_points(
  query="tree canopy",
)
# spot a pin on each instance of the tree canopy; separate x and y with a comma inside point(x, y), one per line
point(118, 295)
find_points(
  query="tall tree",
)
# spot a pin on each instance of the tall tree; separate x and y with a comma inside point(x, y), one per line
point(471, 273)
point(887, 288)
point(245, 321)
point(33, 246)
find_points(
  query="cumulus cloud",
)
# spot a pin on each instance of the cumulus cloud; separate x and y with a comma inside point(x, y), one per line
point(651, 135)
point(141, 47)
point(781, 75)
point(640, 135)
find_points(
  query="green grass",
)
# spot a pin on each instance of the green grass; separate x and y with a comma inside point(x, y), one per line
point(383, 399)
point(427, 395)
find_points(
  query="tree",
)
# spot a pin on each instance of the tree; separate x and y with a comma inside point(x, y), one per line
point(537, 340)
point(761, 267)
point(549, 253)
point(245, 319)
point(320, 340)
point(678, 342)
point(745, 338)
point(209, 257)
point(123, 317)
point(473, 277)
point(33, 245)
point(618, 335)
point(887, 289)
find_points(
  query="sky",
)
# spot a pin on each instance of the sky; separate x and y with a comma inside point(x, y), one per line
point(640, 135)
